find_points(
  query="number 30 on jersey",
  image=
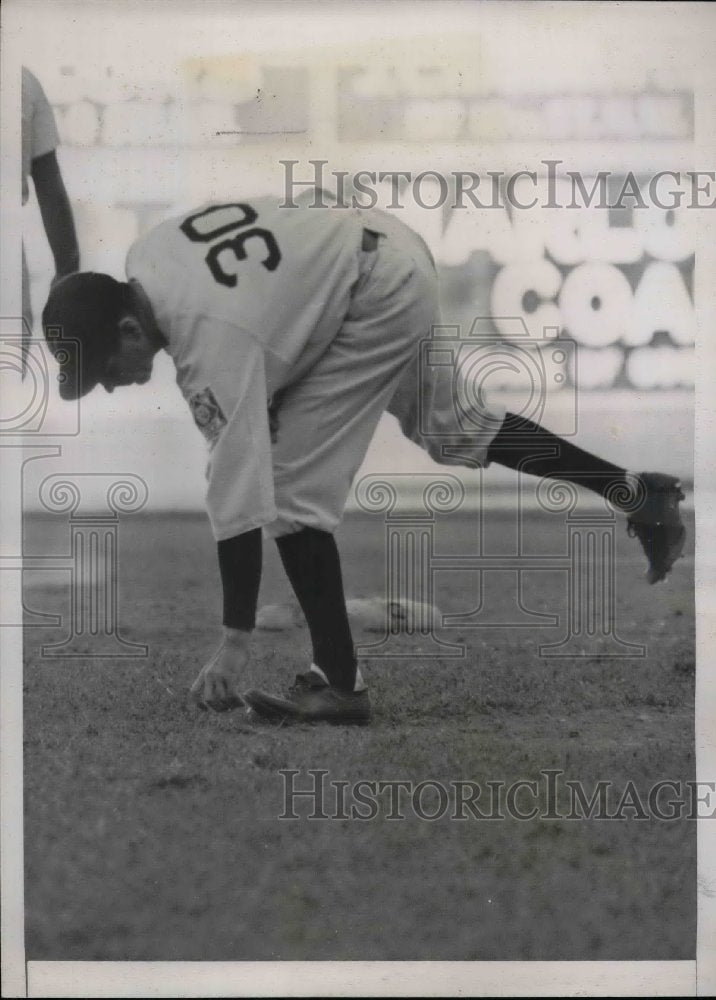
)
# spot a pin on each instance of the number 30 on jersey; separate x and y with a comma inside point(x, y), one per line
point(220, 220)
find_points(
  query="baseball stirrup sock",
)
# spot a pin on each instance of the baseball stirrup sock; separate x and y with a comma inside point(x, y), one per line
point(310, 558)
point(240, 566)
point(523, 445)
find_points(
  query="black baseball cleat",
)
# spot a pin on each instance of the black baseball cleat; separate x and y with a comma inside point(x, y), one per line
point(657, 523)
point(310, 699)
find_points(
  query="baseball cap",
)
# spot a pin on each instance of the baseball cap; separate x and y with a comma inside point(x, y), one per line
point(80, 321)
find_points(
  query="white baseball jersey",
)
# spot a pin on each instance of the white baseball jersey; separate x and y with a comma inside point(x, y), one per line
point(249, 296)
point(256, 300)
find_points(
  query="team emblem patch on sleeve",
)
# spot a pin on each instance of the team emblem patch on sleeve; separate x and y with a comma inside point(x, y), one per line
point(207, 414)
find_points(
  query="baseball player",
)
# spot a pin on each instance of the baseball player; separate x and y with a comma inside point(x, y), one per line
point(39, 161)
point(292, 330)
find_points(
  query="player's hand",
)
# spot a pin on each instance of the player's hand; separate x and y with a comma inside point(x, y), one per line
point(221, 680)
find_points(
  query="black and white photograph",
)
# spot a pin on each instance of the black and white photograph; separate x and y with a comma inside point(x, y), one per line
point(358, 555)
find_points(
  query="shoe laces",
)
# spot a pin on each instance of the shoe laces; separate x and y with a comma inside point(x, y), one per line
point(306, 682)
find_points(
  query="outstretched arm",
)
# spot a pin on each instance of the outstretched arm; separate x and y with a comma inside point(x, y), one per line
point(56, 213)
point(223, 380)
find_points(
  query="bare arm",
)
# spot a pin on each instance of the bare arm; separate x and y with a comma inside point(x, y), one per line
point(56, 213)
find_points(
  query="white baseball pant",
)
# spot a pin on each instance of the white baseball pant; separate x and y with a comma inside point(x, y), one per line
point(326, 421)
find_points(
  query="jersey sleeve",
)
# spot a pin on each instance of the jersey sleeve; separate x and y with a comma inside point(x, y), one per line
point(221, 371)
point(43, 130)
point(226, 392)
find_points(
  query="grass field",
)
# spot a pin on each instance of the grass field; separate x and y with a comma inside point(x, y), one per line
point(152, 829)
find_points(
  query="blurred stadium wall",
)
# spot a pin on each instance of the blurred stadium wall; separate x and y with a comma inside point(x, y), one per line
point(158, 116)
